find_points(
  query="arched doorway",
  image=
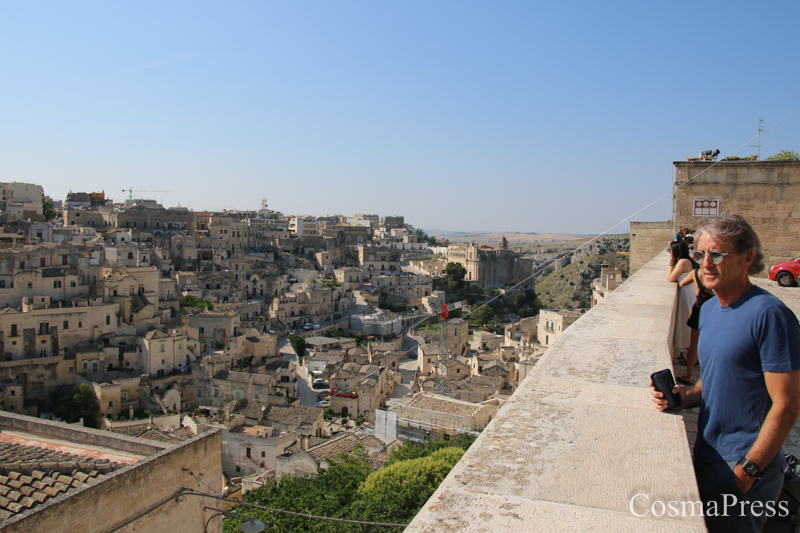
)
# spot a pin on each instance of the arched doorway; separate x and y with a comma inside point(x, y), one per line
point(344, 411)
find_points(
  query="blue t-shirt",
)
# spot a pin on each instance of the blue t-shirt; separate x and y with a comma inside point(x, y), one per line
point(756, 334)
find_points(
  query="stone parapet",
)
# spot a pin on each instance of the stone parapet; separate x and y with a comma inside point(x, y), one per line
point(580, 436)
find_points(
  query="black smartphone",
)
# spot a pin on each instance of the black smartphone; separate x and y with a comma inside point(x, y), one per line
point(663, 382)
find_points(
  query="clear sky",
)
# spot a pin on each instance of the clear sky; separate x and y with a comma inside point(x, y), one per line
point(481, 116)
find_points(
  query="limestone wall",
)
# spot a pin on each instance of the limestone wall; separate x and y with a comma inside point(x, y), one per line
point(137, 490)
point(766, 193)
point(648, 239)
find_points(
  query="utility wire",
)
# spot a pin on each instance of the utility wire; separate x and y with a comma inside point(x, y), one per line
point(590, 241)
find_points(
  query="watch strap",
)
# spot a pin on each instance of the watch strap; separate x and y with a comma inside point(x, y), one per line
point(750, 468)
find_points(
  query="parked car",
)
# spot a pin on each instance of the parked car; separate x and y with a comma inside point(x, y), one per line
point(319, 384)
point(322, 395)
point(785, 273)
point(324, 404)
point(314, 326)
point(337, 316)
point(308, 327)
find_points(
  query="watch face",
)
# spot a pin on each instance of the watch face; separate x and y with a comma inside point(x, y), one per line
point(751, 469)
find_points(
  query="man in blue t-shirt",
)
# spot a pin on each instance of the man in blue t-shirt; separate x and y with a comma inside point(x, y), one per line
point(749, 387)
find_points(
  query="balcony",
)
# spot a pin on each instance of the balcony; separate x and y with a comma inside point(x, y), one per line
point(580, 436)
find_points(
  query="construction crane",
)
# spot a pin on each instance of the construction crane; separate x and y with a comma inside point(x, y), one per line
point(132, 190)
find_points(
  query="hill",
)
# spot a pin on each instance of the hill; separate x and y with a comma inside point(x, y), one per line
point(513, 238)
point(571, 286)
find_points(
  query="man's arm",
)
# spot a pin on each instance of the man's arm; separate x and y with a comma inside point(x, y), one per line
point(784, 390)
point(689, 399)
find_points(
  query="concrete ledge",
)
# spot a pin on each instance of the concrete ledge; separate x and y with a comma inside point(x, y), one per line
point(580, 437)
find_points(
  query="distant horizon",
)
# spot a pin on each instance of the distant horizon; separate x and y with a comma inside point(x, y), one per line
point(544, 117)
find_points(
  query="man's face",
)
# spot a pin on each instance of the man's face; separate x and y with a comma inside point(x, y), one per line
point(733, 269)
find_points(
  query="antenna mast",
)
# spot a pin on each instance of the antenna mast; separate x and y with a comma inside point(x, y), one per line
point(760, 131)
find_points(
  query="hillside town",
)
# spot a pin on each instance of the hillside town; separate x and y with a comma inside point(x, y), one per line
point(297, 337)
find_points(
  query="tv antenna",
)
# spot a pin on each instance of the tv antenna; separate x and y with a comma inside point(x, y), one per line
point(761, 129)
point(132, 190)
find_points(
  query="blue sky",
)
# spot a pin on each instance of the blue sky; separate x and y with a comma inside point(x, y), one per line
point(481, 116)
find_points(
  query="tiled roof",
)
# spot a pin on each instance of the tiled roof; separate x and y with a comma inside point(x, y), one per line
point(298, 445)
point(333, 447)
point(308, 415)
point(372, 442)
point(489, 381)
point(244, 377)
point(442, 404)
point(252, 410)
point(30, 475)
point(465, 395)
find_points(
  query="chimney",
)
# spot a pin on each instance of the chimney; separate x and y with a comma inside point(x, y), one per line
point(306, 439)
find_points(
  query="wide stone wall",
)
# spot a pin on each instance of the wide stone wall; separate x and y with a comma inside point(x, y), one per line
point(648, 239)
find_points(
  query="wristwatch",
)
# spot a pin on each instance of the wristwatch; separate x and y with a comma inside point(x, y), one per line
point(750, 468)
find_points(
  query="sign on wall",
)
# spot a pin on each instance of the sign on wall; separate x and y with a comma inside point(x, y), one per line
point(706, 206)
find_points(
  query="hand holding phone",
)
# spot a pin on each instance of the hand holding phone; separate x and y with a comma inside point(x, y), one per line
point(663, 382)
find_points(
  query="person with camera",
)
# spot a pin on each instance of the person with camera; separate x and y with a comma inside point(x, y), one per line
point(749, 387)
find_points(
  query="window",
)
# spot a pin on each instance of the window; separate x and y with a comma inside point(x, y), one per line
point(2, 284)
point(44, 328)
point(13, 330)
point(80, 325)
point(124, 396)
point(86, 365)
point(108, 319)
point(237, 395)
point(71, 369)
point(110, 404)
point(216, 393)
point(66, 324)
point(263, 453)
point(22, 265)
point(94, 367)
point(42, 261)
point(57, 284)
point(72, 284)
point(30, 285)
point(247, 452)
point(201, 330)
point(13, 392)
point(162, 348)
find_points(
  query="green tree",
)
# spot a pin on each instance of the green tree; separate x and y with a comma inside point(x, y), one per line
point(785, 155)
point(73, 403)
point(398, 491)
point(519, 299)
point(298, 344)
point(331, 493)
point(194, 302)
point(48, 209)
point(482, 316)
point(455, 273)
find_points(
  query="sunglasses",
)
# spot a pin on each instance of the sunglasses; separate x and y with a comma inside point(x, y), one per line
point(714, 256)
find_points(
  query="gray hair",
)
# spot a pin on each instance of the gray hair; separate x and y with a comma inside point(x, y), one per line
point(735, 230)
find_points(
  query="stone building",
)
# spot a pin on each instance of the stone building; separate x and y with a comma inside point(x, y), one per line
point(377, 260)
point(552, 323)
point(153, 216)
point(766, 193)
point(610, 278)
point(491, 267)
point(102, 486)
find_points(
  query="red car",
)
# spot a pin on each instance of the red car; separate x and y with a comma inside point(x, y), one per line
point(785, 273)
